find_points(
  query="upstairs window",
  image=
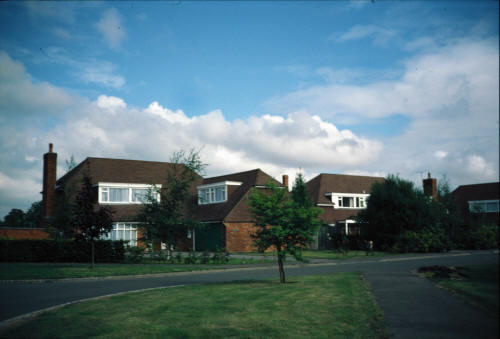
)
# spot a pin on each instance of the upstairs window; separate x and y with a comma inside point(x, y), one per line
point(483, 206)
point(346, 200)
point(114, 193)
point(214, 193)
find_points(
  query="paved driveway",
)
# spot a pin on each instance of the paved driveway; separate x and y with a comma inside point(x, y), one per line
point(414, 308)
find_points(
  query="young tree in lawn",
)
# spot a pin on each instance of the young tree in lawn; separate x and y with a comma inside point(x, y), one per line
point(89, 221)
point(163, 214)
point(286, 224)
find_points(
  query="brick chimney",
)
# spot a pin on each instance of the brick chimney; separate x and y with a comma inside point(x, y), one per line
point(285, 180)
point(49, 183)
point(430, 187)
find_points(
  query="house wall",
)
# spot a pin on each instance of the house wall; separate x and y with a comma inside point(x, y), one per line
point(238, 237)
point(24, 233)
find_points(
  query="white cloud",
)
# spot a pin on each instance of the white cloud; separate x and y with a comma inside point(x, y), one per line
point(87, 71)
point(20, 95)
point(111, 27)
point(61, 33)
point(440, 154)
point(379, 34)
point(101, 73)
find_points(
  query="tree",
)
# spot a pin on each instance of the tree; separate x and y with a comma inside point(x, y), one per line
point(394, 206)
point(34, 215)
point(15, 219)
point(89, 221)
point(70, 163)
point(286, 224)
point(163, 214)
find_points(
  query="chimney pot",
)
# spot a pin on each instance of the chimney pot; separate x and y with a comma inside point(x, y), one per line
point(429, 175)
point(50, 147)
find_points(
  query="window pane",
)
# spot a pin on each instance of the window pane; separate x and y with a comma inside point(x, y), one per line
point(340, 201)
point(139, 195)
point(104, 195)
point(219, 194)
point(477, 207)
point(492, 206)
point(357, 202)
point(118, 194)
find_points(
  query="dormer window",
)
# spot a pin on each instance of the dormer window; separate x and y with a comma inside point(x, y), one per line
point(116, 193)
point(348, 200)
point(214, 193)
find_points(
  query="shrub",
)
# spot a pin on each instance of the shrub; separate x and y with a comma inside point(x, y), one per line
point(477, 238)
point(59, 251)
point(135, 254)
point(192, 258)
point(428, 239)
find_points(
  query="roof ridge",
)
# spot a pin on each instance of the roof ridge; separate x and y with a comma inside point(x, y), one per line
point(225, 175)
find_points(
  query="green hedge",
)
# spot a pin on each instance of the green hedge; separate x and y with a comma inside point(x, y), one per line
point(60, 251)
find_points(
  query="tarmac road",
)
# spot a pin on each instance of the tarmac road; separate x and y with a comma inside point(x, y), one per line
point(413, 307)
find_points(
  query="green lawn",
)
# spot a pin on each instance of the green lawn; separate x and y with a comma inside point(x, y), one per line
point(327, 306)
point(329, 254)
point(480, 289)
point(324, 254)
point(14, 271)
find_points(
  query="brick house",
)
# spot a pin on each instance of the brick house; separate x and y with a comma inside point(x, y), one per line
point(220, 203)
point(223, 208)
point(119, 184)
point(478, 203)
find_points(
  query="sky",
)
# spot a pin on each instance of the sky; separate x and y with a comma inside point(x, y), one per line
point(361, 87)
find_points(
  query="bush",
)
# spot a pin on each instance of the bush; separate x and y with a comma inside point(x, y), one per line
point(477, 238)
point(192, 258)
point(135, 254)
point(428, 239)
point(60, 251)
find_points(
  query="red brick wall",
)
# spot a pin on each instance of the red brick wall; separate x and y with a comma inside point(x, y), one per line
point(24, 233)
point(49, 182)
point(238, 237)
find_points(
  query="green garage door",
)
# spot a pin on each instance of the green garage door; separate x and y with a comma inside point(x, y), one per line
point(210, 237)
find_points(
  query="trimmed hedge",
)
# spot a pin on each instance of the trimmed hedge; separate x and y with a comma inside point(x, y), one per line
point(60, 251)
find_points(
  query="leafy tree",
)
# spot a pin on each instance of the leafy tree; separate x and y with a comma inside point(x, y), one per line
point(286, 224)
point(34, 215)
point(15, 219)
point(395, 206)
point(70, 163)
point(90, 222)
point(163, 214)
point(61, 222)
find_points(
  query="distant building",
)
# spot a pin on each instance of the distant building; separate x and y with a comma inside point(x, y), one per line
point(478, 203)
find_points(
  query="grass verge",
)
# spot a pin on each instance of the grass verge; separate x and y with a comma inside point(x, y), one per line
point(326, 306)
point(16, 271)
point(479, 287)
point(324, 254)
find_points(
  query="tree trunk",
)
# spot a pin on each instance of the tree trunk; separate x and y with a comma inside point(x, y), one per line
point(280, 265)
point(92, 251)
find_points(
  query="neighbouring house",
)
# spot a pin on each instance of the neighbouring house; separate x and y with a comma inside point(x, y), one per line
point(119, 184)
point(223, 209)
point(478, 203)
point(341, 197)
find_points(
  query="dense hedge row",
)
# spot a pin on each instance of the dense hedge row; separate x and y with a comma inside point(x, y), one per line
point(60, 251)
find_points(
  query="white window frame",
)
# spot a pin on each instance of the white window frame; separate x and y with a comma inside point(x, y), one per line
point(130, 227)
point(484, 204)
point(207, 193)
point(359, 200)
point(104, 187)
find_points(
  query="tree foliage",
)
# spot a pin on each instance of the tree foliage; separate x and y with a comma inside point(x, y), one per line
point(17, 218)
point(285, 222)
point(398, 211)
point(89, 221)
point(163, 214)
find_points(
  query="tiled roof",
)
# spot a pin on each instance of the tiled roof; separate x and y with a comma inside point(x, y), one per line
point(121, 171)
point(235, 208)
point(488, 191)
point(339, 183)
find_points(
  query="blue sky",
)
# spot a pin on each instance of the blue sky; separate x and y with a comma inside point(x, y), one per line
point(338, 87)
